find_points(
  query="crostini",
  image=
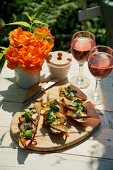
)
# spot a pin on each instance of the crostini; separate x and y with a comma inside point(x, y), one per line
point(28, 123)
point(73, 104)
point(54, 118)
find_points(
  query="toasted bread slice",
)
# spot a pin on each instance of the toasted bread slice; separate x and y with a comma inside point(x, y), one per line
point(75, 113)
point(55, 119)
point(74, 108)
point(82, 117)
point(28, 123)
point(70, 94)
point(58, 125)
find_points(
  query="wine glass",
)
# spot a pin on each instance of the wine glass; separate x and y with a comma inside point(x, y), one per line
point(100, 63)
point(81, 44)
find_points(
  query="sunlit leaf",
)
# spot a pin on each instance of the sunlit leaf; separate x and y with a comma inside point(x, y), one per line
point(1, 55)
point(3, 48)
point(2, 23)
point(22, 23)
point(34, 16)
point(3, 51)
point(28, 16)
point(39, 22)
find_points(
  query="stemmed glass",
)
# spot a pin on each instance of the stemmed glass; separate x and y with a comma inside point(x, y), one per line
point(81, 44)
point(100, 63)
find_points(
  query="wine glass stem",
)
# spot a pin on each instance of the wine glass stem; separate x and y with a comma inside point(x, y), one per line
point(80, 78)
point(96, 93)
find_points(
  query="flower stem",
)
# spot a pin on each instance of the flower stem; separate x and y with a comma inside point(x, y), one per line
point(31, 24)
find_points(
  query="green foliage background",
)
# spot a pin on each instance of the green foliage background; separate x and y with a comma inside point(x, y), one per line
point(61, 16)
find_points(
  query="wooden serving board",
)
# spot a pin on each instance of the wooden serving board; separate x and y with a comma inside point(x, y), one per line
point(77, 131)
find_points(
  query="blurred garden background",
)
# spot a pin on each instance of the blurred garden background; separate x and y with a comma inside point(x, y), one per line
point(61, 16)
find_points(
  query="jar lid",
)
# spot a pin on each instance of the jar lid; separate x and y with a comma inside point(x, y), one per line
point(59, 58)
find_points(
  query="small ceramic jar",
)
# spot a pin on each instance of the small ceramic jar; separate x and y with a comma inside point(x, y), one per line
point(59, 63)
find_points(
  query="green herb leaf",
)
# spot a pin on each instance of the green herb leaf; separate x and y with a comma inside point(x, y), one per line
point(53, 102)
point(79, 109)
point(75, 103)
point(73, 91)
point(33, 110)
point(53, 106)
point(51, 113)
point(78, 104)
point(27, 116)
point(50, 117)
point(28, 134)
point(69, 92)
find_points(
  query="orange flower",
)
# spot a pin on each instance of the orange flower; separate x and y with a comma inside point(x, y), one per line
point(44, 34)
point(27, 50)
point(19, 38)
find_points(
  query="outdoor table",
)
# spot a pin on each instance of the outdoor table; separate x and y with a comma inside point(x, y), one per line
point(94, 153)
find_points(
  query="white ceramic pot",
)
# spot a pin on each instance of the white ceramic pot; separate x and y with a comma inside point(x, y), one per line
point(59, 63)
point(59, 72)
point(25, 79)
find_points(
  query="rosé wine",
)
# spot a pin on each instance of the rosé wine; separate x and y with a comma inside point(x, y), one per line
point(99, 64)
point(80, 48)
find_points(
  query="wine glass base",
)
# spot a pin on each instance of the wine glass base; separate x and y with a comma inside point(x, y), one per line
point(82, 84)
point(95, 98)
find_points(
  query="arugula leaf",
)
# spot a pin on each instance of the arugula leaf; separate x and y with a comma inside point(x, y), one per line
point(78, 104)
point(50, 117)
point(53, 102)
point(69, 92)
point(75, 103)
point(53, 106)
point(79, 109)
point(26, 134)
point(51, 113)
point(27, 116)
point(73, 91)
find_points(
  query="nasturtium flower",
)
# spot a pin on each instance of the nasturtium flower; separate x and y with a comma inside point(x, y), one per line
point(27, 50)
